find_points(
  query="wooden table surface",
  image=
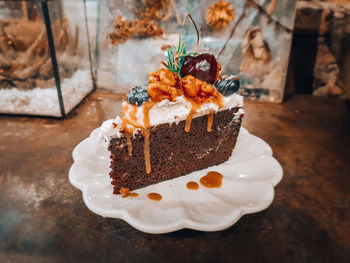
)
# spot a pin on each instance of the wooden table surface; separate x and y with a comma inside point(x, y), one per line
point(43, 217)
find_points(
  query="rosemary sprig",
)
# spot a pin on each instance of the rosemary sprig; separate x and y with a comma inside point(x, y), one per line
point(176, 55)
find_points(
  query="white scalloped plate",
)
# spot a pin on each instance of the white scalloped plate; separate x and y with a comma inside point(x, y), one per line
point(247, 187)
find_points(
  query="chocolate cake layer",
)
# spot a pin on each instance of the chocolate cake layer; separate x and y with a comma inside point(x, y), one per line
point(173, 151)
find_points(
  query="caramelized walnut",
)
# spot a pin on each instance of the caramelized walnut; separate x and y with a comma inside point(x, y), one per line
point(191, 86)
point(153, 76)
point(159, 91)
point(163, 84)
point(197, 89)
point(168, 77)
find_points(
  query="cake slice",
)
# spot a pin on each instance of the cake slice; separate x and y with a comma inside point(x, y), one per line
point(186, 119)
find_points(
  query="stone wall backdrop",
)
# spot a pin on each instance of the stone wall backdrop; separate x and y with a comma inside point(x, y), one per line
point(320, 56)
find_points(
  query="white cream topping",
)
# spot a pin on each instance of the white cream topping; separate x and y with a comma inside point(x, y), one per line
point(238, 114)
point(167, 111)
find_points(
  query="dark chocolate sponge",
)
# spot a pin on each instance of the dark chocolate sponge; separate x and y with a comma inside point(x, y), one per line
point(173, 151)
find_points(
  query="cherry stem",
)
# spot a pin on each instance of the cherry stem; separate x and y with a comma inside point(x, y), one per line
point(195, 26)
point(232, 32)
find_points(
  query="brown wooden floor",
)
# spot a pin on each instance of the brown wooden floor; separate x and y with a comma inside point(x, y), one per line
point(43, 217)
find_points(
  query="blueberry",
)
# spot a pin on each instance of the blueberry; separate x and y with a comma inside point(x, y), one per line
point(227, 85)
point(138, 95)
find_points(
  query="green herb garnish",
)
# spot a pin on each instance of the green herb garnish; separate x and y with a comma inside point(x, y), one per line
point(176, 55)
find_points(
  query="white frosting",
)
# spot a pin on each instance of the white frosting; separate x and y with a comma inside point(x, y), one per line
point(238, 114)
point(108, 130)
point(167, 111)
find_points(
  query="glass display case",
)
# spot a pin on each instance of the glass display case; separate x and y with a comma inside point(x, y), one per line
point(251, 38)
point(45, 65)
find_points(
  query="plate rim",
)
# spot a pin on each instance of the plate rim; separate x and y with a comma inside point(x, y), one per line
point(233, 216)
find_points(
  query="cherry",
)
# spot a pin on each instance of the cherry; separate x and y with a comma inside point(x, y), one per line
point(203, 66)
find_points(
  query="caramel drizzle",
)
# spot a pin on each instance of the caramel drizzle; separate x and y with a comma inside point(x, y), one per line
point(194, 108)
point(147, 106)
point(133, 112)
point(146, 151)
point(132, 121)
point(125, 109)
point(218, 100)
point(210, 121)
point(129, 143)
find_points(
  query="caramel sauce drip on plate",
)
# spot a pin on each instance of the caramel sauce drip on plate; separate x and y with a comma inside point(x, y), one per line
point(212, 180)
point(133, 195)
point(192, 185)
point(154, 196)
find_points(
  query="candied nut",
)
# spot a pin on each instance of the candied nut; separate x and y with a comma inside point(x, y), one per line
point(190, 86)
point(168, 77)
point(197, 89)
point(163, 84)
point(207, 89)
point(153, 77)
point(158, 91)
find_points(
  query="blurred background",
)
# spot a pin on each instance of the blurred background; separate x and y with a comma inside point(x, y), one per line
point(53, 54)
point(314, 33)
